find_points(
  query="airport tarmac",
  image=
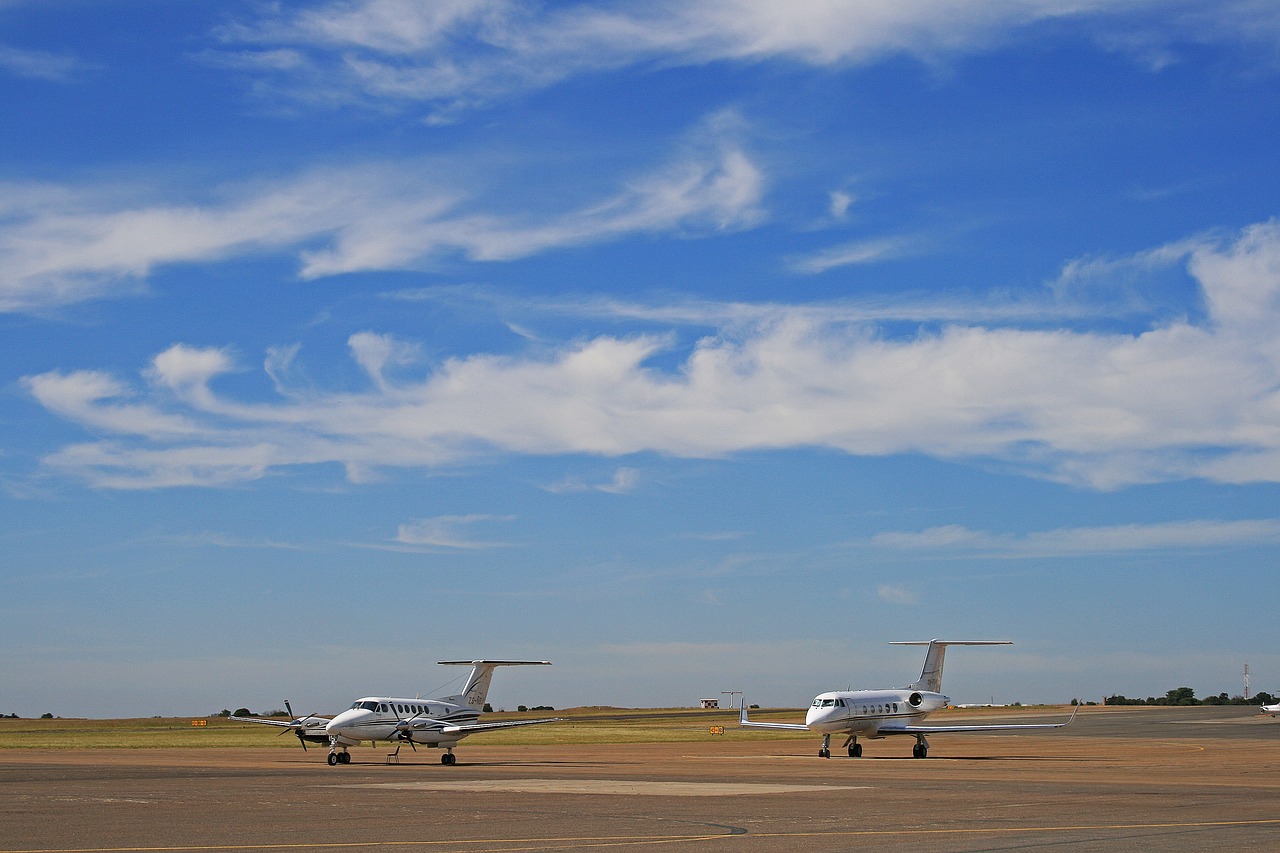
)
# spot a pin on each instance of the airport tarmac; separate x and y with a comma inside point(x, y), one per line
point(1135, 779)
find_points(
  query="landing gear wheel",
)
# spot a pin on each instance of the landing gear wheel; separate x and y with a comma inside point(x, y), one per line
point(855, 750)
point(919, 751)
point(448, 759)
point(344, 758)
point(333, 759)
point(824, 753)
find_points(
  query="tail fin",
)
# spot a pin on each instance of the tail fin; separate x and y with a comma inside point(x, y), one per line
point(931, 675)
point(477, 687)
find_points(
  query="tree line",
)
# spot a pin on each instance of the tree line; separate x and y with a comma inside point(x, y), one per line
point(1187, 696)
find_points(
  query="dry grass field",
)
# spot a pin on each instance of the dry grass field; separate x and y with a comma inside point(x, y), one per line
point(577, 726)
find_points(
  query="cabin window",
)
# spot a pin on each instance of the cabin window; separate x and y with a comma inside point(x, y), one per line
point(895, 707)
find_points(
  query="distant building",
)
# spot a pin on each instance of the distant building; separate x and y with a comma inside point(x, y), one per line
point(709, 703)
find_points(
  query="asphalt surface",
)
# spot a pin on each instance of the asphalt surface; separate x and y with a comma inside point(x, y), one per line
point(1140, 779)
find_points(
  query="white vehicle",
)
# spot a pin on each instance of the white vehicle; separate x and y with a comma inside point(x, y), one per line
point(875, 714)
point(436, 723)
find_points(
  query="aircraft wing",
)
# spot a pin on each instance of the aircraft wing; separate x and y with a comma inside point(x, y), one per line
point(481, 727)
point(926, 730)
point(281, 723)
point(791, 727)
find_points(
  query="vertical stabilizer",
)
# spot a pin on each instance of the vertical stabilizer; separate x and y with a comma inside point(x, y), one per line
point(931, 675)
point(477, 687)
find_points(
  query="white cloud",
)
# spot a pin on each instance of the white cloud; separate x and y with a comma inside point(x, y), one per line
point(1177, 401)
point(447, 531)
point(41, 65)
point(623, 482)
point(869, 251)
point(460, 54)
point(1078, 541)
point(895, 594)
point(64, 244)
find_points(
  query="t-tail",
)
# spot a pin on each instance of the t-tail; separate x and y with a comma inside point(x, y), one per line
point(475, 692)
point(931, 675)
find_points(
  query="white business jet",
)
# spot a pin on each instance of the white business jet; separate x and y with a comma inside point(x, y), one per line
point(876, 714)
point(436, 723)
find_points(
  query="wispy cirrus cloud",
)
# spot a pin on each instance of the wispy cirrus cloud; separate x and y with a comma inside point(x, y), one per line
point(624, 480)
point(1179, 400)
point(459, 55)
point(858, 252)
point(42, 65)
point(956, 540)
point(63, 244)
point(449, 531)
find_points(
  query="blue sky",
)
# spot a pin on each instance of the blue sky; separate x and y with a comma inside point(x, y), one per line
point(693, 347)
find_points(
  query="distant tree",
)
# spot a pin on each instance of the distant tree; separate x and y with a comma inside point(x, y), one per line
point(46, 716)
point(223, 713)
point(488, 709)
point(1263, 698)
point(242, 712)
point(1181, 696)
point(542, 708)
point(521, 708)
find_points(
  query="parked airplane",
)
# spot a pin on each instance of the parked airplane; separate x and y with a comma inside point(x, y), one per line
point(1271, 709)
point(876, 714)
point(435, 723)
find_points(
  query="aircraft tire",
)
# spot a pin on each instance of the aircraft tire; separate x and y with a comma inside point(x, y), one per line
point(333, 759)
point(448, 759)
point(824, 753)
point(855, 750)
point(344, 758)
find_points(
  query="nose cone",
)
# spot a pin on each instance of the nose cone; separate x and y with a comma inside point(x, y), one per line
point(819, 719)
point(338, 724)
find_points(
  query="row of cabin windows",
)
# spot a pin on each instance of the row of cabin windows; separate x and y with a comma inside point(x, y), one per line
point(386, 708)
point(888, 708)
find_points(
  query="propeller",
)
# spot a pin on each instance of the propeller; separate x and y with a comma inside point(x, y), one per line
point(296, 725)
point(402, 732)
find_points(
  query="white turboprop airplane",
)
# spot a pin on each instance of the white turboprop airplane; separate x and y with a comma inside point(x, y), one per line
point(436, 723)
point(876, 714)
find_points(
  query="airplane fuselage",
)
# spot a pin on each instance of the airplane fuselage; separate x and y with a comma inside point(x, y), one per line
point(865, 712)
point(383, 718)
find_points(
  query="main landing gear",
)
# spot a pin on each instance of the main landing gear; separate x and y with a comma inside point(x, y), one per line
point(336, 758)
point(919, 750)
point(449, 758)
